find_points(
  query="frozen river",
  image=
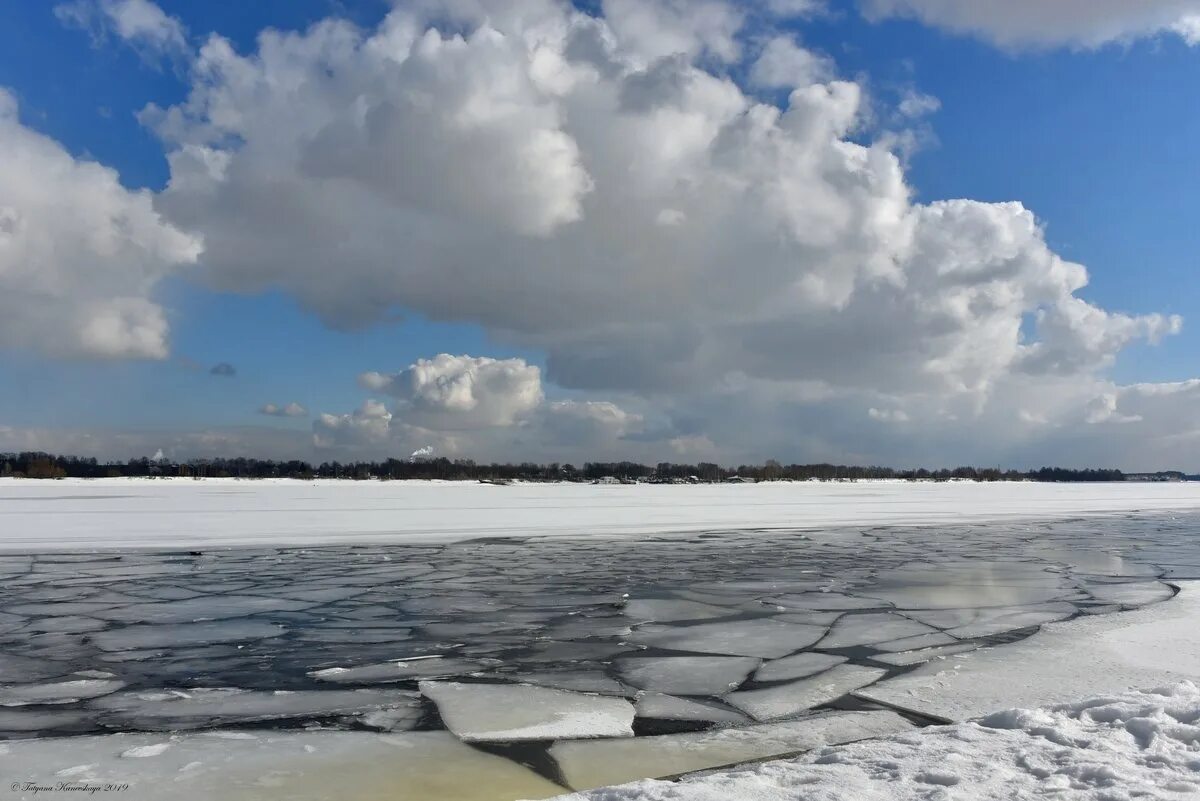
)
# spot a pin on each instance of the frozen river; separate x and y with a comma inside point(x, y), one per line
point(554, 656)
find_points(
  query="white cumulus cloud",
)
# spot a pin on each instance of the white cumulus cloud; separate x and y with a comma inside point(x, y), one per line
point(1050, 23)
point(80, 255)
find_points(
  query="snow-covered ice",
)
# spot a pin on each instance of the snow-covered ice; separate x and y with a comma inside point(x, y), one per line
point(514, 712)
point(1112, 748)
point(253, 766)
point(594, 763)
point(1085, 656)
point(140, 513)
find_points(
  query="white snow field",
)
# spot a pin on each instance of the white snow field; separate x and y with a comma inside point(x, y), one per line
point(68, 514)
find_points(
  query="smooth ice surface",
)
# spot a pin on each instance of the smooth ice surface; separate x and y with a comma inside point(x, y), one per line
point(171, 709)
point(796, 667)
point(788, 700)
point(138, 636)
point(513, 712)
point(867, 628)
point(595, 763)
point(759, 637)
point(670, 707)
point(265, 766)
point(140, 513)
point(687, 675)
point(1123, 746)
point(1086, 656)
point(62, 692)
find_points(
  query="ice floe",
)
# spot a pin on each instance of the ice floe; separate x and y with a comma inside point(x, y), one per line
point(595, 763)
point(514, 712)
point(789, 700)
point(761, 637)
point(687, 675)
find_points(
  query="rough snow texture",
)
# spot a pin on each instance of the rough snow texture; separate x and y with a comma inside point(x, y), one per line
point(143, 513)
point(1110, 748)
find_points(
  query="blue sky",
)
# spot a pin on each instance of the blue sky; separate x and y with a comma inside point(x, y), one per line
point(1099, 142)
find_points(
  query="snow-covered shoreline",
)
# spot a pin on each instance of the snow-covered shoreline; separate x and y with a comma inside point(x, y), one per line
point(141, 513)
point(1136, 744)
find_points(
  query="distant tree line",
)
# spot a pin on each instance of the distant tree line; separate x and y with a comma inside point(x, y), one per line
point(34, 464)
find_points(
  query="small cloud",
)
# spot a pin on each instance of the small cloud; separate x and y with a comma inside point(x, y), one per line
point(888, 415)
point(224, 369)
point(290, 410)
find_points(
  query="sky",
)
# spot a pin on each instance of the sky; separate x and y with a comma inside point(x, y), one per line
point(904, 232)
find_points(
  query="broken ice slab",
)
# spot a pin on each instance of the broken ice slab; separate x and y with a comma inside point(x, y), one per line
point(61, 692)
point(925, 654)
point(204, 608)
point(788, 700)
point(687, 675)
point(968, 623)
point(171, 709)
point(553, 651)
point(399, 670)
point(15, 668)
point(67, 624)
point(599, 763)
point(797, 666)
point(23, 721)
point(298, 766)
point(150, 636)
point(670, 609)
point(515, 712)
point(579, 680)
point(670, 707)
point(1138, 593)
point(872, 627)
point(762, 637)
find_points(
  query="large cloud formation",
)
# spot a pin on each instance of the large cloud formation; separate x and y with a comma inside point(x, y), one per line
point(719, 270)
point(80, 255)
point(1049, 23)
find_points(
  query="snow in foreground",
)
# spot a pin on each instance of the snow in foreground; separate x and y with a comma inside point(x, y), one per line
point(1111, 748)
point(131, 513)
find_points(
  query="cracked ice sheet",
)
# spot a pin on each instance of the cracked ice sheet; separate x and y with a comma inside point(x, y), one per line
point(759, 637)
point(515, 712)
point(870, 628)
point(967, 623)
point(62, 692)
point(203, 707)
point(687, 675)
point(297, 766)
point(791, 699)
point(670, 707)
point(1086, 656)
point(595, 763)
point(1081, 751)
